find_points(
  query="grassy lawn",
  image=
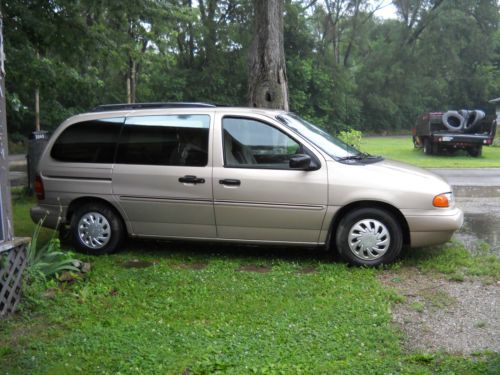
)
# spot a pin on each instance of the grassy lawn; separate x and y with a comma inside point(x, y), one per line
point(203, 309)
point(401, 148)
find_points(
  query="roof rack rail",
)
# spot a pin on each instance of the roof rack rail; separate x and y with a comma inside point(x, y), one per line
point(132, 106)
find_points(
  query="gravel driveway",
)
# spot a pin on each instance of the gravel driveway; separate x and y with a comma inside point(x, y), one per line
point(437, 314)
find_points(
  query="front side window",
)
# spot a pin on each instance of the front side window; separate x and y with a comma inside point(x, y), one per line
point(165, 140)
point(88, 141)
point(253, 144)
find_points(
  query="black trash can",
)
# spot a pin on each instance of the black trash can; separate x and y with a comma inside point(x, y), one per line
point(36, 144)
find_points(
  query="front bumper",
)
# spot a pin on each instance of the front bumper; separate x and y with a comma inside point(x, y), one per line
point(433, 227)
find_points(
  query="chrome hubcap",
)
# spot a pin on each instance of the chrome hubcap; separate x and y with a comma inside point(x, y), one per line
point(369, 239)
point(94, 230)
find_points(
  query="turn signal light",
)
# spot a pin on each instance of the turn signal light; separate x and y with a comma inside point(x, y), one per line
point(39, 190)
point(443, 200)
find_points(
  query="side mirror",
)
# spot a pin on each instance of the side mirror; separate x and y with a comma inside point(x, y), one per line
point(300, 161)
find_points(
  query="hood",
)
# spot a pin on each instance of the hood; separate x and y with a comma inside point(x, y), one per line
point(399, 184)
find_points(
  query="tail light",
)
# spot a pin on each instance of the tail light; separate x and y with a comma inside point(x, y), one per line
point(39, 190)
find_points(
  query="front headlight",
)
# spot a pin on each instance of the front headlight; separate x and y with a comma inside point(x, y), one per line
point(444, 200)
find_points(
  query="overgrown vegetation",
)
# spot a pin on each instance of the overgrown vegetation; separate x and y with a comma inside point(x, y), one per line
point(203, 309)
point(47, 259)
point(346, 67)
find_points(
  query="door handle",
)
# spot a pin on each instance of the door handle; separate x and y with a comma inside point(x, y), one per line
point(230, 182)
point(191, 180)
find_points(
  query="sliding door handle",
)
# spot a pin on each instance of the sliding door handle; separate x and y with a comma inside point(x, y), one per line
point(191, 180)
point(230, 182)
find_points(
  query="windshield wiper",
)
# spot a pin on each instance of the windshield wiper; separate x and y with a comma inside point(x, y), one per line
point(359, 156)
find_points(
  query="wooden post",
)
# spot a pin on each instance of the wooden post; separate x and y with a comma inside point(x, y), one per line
point(13, 258)
point(6, 231)
point(37, 102)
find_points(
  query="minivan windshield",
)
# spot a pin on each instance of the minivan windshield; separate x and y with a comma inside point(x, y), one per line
point(333, 146)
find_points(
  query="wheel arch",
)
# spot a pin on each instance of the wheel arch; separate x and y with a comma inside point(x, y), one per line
point(80, 201)
point(369, 204)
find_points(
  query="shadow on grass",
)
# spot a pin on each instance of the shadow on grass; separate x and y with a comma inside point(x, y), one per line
point(203, 250)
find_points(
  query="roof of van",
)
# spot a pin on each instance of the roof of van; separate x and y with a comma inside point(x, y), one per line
point(133, 107)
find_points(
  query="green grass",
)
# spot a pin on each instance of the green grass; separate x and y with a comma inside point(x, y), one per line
point(197, 308)
point(401, 149)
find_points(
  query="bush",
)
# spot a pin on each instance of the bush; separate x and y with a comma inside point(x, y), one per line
point(351, 137)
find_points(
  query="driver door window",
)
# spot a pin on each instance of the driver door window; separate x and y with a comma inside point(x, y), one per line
point(253, 144)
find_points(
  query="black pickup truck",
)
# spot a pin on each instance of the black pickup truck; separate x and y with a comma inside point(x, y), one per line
point(437, 132)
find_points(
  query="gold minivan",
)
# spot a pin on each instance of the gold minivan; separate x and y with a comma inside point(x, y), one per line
point(195, 171)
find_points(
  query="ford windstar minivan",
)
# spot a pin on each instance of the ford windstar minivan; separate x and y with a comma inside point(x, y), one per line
point(196, 171)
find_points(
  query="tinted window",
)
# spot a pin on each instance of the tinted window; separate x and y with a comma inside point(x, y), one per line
point(165, 140)
point(253, 144)
point(88, 142)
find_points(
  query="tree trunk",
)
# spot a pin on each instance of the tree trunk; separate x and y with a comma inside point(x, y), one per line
point(267, 83)
point(129, 93)
point(131, 81)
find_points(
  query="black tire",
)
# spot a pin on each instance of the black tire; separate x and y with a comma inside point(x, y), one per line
point(65, 236)
point(453, 121)
point(107, 220)
point(363, 218)
point(476, 151)
point(436, 150)
point(428, 149)
point(473, 120)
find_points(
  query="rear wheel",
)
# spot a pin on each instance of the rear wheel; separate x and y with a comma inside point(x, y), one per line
point(475, 151)
point(369, 237)
point(96, 229)
point(427, 146)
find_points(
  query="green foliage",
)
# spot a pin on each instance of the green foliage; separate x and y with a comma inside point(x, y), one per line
point(346, 68)
point(351, 137)
point(47, 260)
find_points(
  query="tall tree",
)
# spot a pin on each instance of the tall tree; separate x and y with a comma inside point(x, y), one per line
point(267, 84)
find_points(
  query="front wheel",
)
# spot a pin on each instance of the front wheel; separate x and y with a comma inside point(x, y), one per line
point(369, 237)
point(96, 229)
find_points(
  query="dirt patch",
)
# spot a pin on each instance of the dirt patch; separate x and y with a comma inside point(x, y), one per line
point(136, 263)
point(438, 314)
point(254, 268)
point(192, 266)
point(309, 269)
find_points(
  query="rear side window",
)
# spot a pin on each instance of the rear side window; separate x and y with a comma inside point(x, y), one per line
point(88, 141)
point(165, 140)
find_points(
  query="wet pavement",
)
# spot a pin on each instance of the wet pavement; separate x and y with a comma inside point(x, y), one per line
point(481, 224)
point(470, 176)
point(478, 195)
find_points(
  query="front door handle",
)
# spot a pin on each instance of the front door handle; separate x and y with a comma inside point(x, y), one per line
point(230, 182)
point(191, 180)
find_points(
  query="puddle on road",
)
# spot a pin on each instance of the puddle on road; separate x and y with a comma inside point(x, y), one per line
point(480, 227)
